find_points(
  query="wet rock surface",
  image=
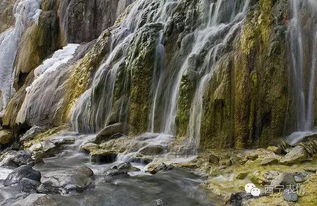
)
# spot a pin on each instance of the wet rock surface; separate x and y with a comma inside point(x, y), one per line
point(20, 173)
point(65, 181)
point(16, 158)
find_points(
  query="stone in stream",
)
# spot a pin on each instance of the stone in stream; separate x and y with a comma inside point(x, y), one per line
point(19, 173)
point(46, 148)
point(156, 167)
point(16, 158)
point(110, 132)
point(28, 186)
point(36, 200)
point(89, 147)
point(103, 157)
point(152, 150)
point(64, 181)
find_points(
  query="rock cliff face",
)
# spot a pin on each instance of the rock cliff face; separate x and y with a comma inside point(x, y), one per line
point(214, 73)
point(139, 83)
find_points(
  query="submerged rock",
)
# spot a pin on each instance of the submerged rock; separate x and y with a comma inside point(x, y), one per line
point(21, 173)
point(36, 200)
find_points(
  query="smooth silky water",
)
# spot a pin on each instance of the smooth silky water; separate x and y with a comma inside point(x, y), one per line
point(173, 188)
point(302, 33)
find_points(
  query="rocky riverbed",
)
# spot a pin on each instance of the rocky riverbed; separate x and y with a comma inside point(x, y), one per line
point(65, 167)
point(58, 171)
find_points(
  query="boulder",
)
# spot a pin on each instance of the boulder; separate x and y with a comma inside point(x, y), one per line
point(155, 168)
point(295, 155)
point(31, 133)
point(103, 157)
point(48, 147)
point(20, 173)
point(6, 137)
point(110, 132)
point(64, 181)
point(16, 158)
point(89, 147)
point(117, 172)
point(28, 186)
point(152, 150)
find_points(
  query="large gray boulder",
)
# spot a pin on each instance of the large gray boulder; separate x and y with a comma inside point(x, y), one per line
point(64, 181)
point(20, 173)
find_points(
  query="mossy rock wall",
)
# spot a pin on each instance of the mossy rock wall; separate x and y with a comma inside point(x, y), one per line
point(253, 83)
point(140, 67)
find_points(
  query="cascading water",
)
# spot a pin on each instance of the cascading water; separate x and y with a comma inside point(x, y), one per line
point(303, 58)
point(217, 31)
point(93, 111)
point(25, 12)
point(221, 21)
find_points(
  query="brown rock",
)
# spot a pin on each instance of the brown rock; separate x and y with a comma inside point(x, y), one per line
point(6, 137)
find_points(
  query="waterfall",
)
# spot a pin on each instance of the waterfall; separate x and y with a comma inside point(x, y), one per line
point(25, 12)
point(221, 20)
point(42, 75)
point(303, 61)
point(93, 109)
point(214, 36)
point(160, 60)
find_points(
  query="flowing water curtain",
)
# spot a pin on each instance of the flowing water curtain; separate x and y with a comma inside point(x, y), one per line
point(220, 22)
point(26, 12)
point(302, 53)
point(222, 19)
point(93, 108)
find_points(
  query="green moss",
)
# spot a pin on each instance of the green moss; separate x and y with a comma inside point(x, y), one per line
point(140, 68)
point(187, 92)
